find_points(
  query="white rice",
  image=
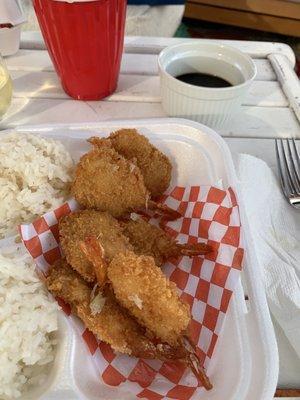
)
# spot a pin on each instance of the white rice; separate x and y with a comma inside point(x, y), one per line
point(28, 316)
point(35, 176)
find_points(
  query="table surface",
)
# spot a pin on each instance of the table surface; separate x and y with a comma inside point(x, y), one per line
point(271, 109)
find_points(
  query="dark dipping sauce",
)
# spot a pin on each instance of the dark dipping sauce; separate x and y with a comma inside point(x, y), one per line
point(204, 80)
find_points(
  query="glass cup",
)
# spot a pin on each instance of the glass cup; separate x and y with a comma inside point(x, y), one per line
point(5, 88)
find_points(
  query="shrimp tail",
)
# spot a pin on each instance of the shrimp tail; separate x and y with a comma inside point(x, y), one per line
point(94, 252)
point(193, 362)
point(194, 249)
point(163, 209)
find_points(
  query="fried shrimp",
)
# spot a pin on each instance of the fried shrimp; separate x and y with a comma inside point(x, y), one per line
point(62, 281)
point(150, 240)
point(154, 165)
point(74, 227)
point(142, 290)
point(106, 181)
point(112, 323)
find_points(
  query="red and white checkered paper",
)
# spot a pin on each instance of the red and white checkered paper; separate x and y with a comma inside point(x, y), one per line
point(206, 284)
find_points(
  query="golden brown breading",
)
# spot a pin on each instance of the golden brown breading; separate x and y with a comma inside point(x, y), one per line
point(62, 281)
point(112, 324)
point(142, 288)
point(154, 165)
point(184, 349)
point(74, 227)
point(152, 241)
point(106, 181)
point(115, 326)
point(149, 240)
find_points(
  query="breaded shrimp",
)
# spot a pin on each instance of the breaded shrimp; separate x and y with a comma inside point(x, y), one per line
point(154, 165)
point(150, 240)
point(142, 288)
point(74, 227)
point(112, 324)
point(62, 281)
point(106, 181)
point(165, 309)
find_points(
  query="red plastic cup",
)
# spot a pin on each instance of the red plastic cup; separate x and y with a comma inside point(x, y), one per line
point(85, 41)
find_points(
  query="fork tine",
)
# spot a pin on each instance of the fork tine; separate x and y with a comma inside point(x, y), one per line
point(287, 169)
point(294, 170)
point(283, 179)
point(296, 154)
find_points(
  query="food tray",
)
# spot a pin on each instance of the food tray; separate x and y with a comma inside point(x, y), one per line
point(245, 362)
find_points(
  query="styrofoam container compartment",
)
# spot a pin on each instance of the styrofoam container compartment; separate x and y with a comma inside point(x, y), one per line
point(10, 13)
point(245, 362)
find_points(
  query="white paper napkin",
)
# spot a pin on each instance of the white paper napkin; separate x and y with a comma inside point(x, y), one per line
point(275, 227)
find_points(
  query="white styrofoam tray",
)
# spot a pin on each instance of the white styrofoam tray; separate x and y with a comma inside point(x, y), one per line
point(245, 362)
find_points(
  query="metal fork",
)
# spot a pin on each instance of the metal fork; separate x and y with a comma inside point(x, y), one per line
point(288, 161)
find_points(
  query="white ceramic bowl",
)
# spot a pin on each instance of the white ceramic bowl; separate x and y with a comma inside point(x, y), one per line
point(11, 12)
point(211, 106)
point(10, 40)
